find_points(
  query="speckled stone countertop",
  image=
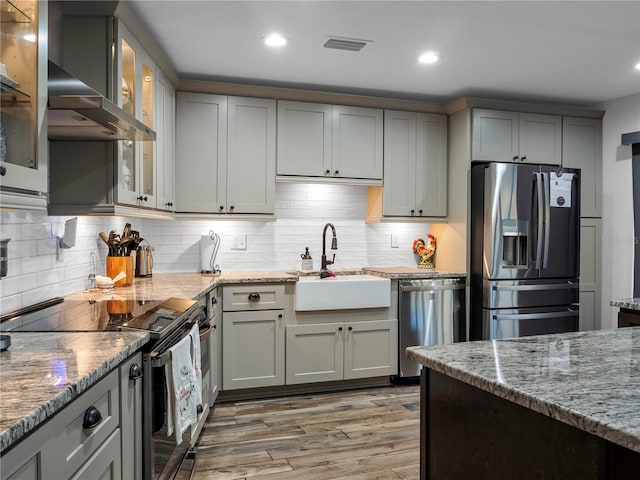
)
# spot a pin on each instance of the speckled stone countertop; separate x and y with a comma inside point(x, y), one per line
point(629, 303)
point(589, 380)
point(410, 273)
point(41, 373)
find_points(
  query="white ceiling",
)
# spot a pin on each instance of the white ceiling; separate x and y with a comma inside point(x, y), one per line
point(579, 52)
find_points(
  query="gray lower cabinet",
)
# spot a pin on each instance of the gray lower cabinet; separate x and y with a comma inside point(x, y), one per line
point(253, 334)
point(341, 351)
point(65, 448)
point(590, 272)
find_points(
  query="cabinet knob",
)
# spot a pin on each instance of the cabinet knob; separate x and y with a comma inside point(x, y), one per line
point(280, 315)
point(3, 171)
point(350, 329)
point(515, 159)
point(232, 207)
point(327, 172)
point(337, 172)
point(169, 204)
point(135, 372)
point(420, 211)
point(92, 418)
point(412, 211)
point(215, 327)
point(214, 300)
point(221, 207)
point(254, 296)
point(143, 198)
point(339, 329)
point(523, 158)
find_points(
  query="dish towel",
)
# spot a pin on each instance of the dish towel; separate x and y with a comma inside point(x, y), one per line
point(184, 387)
point(195, 356)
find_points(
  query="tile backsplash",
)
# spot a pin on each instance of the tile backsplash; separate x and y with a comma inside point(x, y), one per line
point(35, 273)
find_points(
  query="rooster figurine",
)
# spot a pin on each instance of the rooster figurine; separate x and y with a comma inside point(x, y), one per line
point(425, 251)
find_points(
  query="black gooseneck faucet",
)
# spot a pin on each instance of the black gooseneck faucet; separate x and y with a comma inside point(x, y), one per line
point(324, 273)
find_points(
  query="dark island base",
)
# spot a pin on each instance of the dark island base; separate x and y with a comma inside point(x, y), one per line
point(467, 433)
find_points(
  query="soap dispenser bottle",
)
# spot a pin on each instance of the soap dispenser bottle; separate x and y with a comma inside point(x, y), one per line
point(307, 261)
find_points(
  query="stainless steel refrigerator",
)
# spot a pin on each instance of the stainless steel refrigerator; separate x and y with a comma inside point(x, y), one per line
point(525, 250)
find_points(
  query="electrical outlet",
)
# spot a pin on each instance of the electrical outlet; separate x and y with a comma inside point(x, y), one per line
point(394, 241)
point(239, 241)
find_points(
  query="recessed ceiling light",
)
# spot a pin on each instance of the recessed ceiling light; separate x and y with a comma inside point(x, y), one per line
point(638, 66)
point(429, 57)
point(275, 40)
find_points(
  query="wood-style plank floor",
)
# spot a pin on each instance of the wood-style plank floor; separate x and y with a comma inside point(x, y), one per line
point(357, 435)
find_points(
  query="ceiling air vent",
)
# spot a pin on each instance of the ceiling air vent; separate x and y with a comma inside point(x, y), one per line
point(350, 44)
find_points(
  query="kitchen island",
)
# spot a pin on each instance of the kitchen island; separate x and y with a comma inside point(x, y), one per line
point(563, 406)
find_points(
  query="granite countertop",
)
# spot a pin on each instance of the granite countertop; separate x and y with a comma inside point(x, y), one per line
point(629, 303)
point(589, 380)
point(43, 372)
point(409, 273)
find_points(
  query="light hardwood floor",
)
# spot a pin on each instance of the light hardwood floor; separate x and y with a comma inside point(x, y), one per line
point(357, 435)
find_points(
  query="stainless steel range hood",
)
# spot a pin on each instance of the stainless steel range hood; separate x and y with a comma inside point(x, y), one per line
point(77, 112)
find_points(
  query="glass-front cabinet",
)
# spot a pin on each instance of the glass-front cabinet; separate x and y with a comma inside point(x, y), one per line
point(135, 73)
point(23, 158)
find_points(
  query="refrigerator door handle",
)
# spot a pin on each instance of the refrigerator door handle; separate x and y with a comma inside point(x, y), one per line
point(534, 316)
point(539, 188)
point(524, 288)
point(547, 215)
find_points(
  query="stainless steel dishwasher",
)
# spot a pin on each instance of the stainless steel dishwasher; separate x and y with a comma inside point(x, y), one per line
point(431, 311)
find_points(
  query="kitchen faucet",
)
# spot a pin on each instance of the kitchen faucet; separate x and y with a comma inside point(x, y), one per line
point(324, 273)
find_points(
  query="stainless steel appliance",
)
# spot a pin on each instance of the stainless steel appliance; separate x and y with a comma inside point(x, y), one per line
point(525, 250)
point(144, 261)
point(431, 312)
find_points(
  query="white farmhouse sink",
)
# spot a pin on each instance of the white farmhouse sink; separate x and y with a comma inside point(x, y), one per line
point(342, 292)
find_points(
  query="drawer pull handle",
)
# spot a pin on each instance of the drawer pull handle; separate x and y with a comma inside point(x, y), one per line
point(92, 418)
point(254, 296)
point(135, 372)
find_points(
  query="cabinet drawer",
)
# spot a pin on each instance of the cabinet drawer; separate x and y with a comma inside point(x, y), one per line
point(105, 463)
point(73, 444)
point(253, 297)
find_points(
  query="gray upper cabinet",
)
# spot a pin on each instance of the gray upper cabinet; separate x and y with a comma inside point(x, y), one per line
point(304, 139)
point(201, 151)
point(332, 143)
point(582, 148)
point(503, 136)
point(225, 154)
point(165, 145)
point(415, 168)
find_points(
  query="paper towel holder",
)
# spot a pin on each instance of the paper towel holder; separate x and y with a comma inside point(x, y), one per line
point(68, 239)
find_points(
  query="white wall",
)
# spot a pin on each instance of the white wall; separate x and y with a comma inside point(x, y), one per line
point(622, 116)
point(35, 274)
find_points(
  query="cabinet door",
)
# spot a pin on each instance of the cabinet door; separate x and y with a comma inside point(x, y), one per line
point(590, 258)
point(494, 136)
point(315, 353)
point(251, 157)
point(356, 142)
point(216, 357)
point(431, 165)
point(540, 138)
point(582, 148)
point(371, 349)
point(399, 195)
point(105, 463)
point(253, 349)
point(201, 149)
point(165, 141)
point(131, 416)
point(304, 139)
point(147, 152)
point(24, 146)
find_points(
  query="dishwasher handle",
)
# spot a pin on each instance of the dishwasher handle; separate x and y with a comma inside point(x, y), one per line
point(431, 288)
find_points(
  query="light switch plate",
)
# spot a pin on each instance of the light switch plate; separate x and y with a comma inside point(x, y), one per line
point(239, 241)
point(394, 241)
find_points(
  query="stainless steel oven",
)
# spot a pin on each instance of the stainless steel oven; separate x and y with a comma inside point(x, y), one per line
point(163, 454)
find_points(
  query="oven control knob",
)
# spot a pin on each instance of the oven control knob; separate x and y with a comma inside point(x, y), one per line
point(135, 372)
point(254, 296)
point(92, 418)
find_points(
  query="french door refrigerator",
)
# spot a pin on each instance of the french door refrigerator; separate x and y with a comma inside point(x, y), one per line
point(525, 250)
